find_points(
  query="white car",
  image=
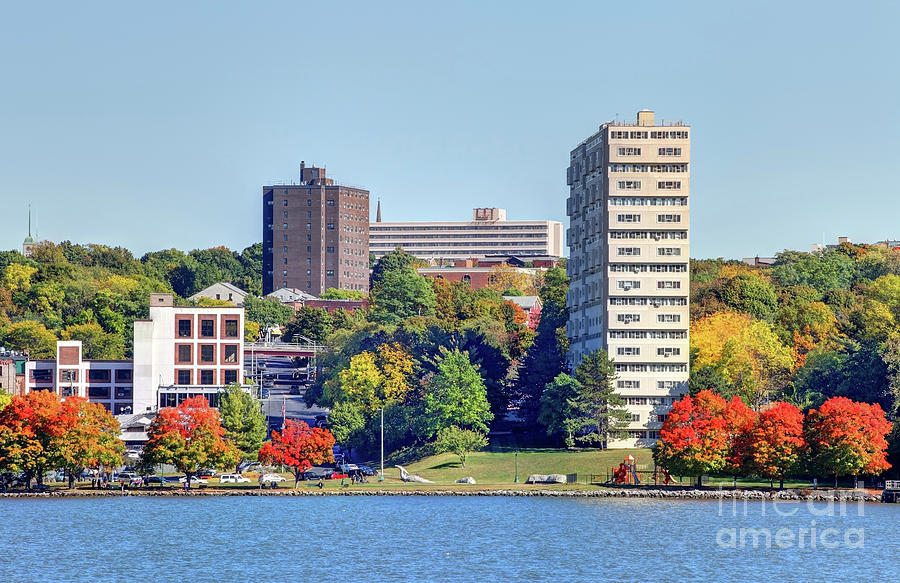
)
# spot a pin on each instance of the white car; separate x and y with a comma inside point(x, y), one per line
point(195, 481)
point(233, 479)
point(270, 479)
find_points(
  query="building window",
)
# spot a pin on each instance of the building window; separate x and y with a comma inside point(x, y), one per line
point(98, 392)
point(668, 285)
point(308, 202)
point(231, 353)
point(629, 184)
point(628, 351)
point(285, 202)
point(284, 226)
point(629, 218)
point(123, 392)
point(670, 151)
point(285, 214)
point(124, 375)
point(330, 203)
point(308, 214)
point(230, 376)
point(667, 384)
point(628, 318)
point(329, 249)
point(629, 151)
point(330, 226)
point(627, 284)
point(99, 376)
point(668, 318)
point(231, 328)
point(184, 354)
point(309, 260)
point(308, 285)
point(207, 328)
point(309, 237)
point(669, 251)
point(668, 351)
point(206, 377)
point(184, 328)
point(329, 273)
point(284, 272)
point(668, 185)
point(183, 376)
point(285, 237)
point(308, 226)
point(629, 251)
point(668, 218)
point(207, 353)
point(309, 272)
point(628, 384)
point(635, 417)
point(285, 260)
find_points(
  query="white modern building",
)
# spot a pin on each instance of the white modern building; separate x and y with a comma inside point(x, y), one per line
point(629, 251)
point(179, 352)
point(488, 233)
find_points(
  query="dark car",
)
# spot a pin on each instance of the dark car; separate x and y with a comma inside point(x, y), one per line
point(367, 470)
point(206, 473)
point(159, 481)
point(313, 475)
point(295, 390)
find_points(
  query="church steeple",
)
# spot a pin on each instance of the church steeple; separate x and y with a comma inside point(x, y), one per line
point(378, 212)
point(28, 243)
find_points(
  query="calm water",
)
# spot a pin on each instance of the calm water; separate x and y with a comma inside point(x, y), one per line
point(437, 539)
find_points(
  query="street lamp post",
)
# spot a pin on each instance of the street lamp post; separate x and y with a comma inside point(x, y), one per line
point(381, 477)
point(517, 466)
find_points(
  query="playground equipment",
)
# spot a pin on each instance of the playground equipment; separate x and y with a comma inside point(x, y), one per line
point(627, 474)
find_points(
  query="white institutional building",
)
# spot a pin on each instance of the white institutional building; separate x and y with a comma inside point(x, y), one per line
point(488, 233)
point(629, 262)
point(179, 352)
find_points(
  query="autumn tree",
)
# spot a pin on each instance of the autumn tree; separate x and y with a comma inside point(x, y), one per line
point(773, 446)
point(190, 437)
point(96, 343)
point(845, 437)
point(299, 447)
point(91, 439)
point(31, 430)
point(694, 439)
point(459, 441)
point(345, 421)
point(243, 420)
point(30, 336)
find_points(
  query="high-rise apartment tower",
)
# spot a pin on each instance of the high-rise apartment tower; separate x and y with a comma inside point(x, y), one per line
point(629, 262)
point(315, 235)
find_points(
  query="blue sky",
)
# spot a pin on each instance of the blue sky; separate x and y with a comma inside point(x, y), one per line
point(154, 126)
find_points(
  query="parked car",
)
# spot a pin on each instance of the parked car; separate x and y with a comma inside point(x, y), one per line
point(367, 470)
point(233, 479)
point(295, 390)
point(131, 479)
point(204, 473)
point(161, 481)
point(271, 480)
point(195, 481)
point(313, 475)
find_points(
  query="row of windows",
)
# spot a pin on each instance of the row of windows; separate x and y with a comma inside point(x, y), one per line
point(643, 135)
point(655, 401)
point(104, 392)
point(647, 201)
point(477, 228)
point(206, 354)
point(635, 218)
point(655, 235)
point(93, 375)
point(207, 327)
point(647, 268)
point(648, 167)
point(636, 251)
point(630, 367)
point(660, 184)
point(647, 334)
point(205, 377)
point(655, 302)
point(451, 236)
point(636, 351)
point(665, 318)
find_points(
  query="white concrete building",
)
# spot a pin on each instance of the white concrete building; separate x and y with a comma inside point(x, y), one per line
point(488, 233)
point(178, 353)
point(629, 262)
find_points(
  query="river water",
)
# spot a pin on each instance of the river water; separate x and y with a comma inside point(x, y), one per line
point(271, 539)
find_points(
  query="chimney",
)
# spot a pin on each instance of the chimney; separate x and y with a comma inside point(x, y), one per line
point(645, 117)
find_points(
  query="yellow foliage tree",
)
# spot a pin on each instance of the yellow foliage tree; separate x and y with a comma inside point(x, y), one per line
point(17, 277)
point(397, 368)
point(710, 333)
point(755, 362)
point(732, 270)
point(363, 382)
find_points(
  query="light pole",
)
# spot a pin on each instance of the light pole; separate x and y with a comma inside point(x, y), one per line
point(381, 477)
point(517, 466)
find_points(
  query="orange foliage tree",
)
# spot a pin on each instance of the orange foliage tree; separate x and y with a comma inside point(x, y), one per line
point(91, 439)
point(773, 446)
point(31, 430)
point(190, 437)
point(845, 437)
point(299, 447)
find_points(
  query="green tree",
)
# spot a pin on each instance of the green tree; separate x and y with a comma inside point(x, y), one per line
point(747, 293)
point(824, 270)
point(342, 294)
point(243, 420)
point(459, 441)
point(556, 412)
point(345, 421)
point(396, 260)
point(31, 336)
point(456, 395)
point(267, 312)
point(402, 293)
point(313, 323)
point(96, 343)
point(599, 412)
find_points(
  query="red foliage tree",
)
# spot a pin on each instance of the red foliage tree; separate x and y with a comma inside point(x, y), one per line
point(299, 447)
point(91, 439)
point(31, 430)
point(190, 437)
point(773, 446)
point(739, 421)
point(695, 438)
point(845, 437)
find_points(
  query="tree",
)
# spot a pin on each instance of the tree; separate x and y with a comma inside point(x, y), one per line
point(599, 411)
point(556, 412)
point(91, 439)
point(342, 294)
point(845, 437)
point(694, 439)
point(755, 362)
point(751, 294)
point(96, 343)
point(396, 260)
point(459, 441)
point(299, 447)
point(31, 336)
point(774, 445)
point(344, 421)
point(31, 431)
point(313, 323)
point(822, 270)
point(456, 395)
point(267, 312)
point(362, 382)
point(190, 437)
point(243, 420)
point(402, 293)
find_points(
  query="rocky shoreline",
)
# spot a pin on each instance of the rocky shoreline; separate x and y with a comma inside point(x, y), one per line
point(635, 493)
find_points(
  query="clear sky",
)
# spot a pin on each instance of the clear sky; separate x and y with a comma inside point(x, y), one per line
point(154, 125)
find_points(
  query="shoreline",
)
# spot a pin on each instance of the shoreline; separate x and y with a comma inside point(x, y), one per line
point(614, 493)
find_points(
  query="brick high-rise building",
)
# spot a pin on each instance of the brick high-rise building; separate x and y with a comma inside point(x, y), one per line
point(315, 235)
point(628, 264)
